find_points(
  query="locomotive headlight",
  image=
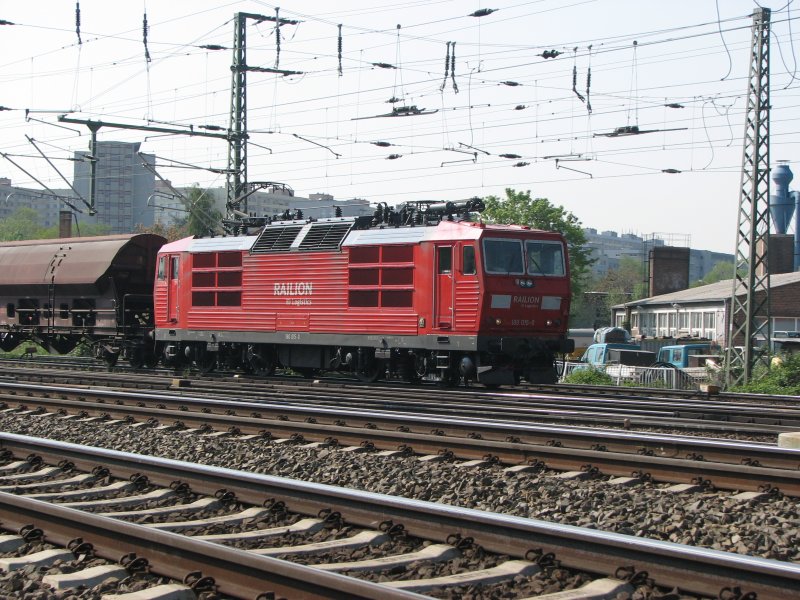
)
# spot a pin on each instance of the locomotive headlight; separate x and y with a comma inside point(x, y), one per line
point(498, 321)
point(528, 283)
point(549, 323)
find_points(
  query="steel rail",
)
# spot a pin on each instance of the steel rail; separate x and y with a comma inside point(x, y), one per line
point(236, 572)
point(694, 570)
point(354, 397)
point(240, 413)
point(593, 392)
point(676, 459)
point(558, 398)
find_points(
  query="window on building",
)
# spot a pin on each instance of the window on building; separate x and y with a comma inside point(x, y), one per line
point(785, 324)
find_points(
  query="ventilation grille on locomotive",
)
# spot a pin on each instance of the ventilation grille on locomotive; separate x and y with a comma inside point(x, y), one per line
point(276, 239)
point(325, 236)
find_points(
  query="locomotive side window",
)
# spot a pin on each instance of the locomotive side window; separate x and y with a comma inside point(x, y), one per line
point(545, 258)
point(381, 276)
point(175, 262)
point(10, 310)
point(445, 262)
point(217, 279)
point(468, 260)
point(503, 256)
point(162, 268)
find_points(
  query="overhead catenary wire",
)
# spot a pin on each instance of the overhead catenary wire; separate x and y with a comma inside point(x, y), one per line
point(484, 54)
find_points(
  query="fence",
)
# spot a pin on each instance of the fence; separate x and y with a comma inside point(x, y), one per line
point(663, 377)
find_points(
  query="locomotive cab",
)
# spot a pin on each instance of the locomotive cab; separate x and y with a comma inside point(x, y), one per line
point(526, 283)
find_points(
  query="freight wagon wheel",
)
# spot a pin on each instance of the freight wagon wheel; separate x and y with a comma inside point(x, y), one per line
point(136, 357)
point(8, 341)
point(150, 359)
point(110, 358)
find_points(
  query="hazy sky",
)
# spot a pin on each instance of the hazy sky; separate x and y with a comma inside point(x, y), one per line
point(655, 65)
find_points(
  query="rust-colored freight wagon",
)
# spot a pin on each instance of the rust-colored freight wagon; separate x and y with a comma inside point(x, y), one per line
point(60, 292)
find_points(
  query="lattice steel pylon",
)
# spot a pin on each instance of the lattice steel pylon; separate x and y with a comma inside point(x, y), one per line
point(749, 321)
point(237, 148)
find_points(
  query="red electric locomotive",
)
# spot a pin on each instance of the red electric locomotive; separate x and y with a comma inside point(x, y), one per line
point(419, 293)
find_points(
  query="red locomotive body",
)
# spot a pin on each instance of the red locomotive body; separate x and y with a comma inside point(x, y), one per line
point(443, 302)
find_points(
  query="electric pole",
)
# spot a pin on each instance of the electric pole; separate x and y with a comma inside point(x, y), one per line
point(749, 311)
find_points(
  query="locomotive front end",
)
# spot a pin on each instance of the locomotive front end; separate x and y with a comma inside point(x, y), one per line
point(526, 304)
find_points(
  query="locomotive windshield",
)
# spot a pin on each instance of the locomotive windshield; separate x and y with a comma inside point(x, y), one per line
point(503, 256)
point(545, 258)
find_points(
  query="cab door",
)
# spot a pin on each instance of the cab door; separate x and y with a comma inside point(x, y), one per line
point(443, 304)
point(173, 285)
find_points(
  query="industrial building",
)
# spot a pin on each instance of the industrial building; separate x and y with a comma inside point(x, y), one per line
point(704, 311)
point(610, 247)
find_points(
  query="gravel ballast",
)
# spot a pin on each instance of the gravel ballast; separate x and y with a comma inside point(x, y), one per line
point(769, 528)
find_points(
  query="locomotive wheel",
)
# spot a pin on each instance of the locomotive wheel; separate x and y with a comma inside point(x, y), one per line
point(409, 373)
point(261, 362)
point(450, 378)
point(371, 372)
point(206, 361)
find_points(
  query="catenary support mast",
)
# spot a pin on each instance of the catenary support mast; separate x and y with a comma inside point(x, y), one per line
point(749, 312)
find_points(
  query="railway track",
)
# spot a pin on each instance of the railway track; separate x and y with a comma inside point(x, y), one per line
point(674, 459)
point(724, 416)
point(115, 511)
point(88, 365)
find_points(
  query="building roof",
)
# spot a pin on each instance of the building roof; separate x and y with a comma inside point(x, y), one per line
point(713, 292)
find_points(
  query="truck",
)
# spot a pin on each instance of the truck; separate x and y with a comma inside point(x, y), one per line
point(679, 355)
point(618, 353)
point(617, 359)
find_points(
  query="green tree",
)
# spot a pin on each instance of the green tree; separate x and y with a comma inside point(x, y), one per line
point(520, 209)
point(204, 218)
point(624, 283)
point(616, 286)
point(719, 272)
point(23, 224)
point(172, 232)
